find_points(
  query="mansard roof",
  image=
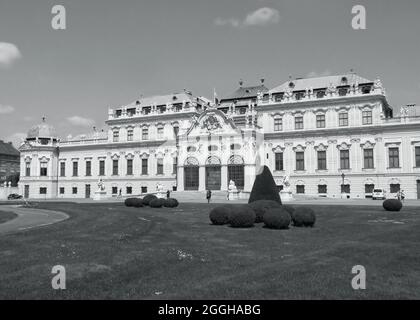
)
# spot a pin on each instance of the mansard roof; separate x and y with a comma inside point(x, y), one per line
point(320, 82)
point(174, 98)
point(246, 92)
point(6, 148)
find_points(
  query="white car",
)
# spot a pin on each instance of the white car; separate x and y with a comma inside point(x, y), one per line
point(378, 194)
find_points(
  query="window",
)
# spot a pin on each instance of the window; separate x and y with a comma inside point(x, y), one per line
point(62, 169)
point(160, 132)
point(320, 121)
point(75, 169)
point(343, 119)
point(129, 190)
point(43, 170)
point(278, 124)
point(88, 168)
point(130, 134)
point(174, 165)
point(114, 190)
point(28, 169)
point(369, 188)
point(144, 165)
point(159, 166)
point(300, 161)
point(299, 123)
point(101, 167)
point(115, 167)
point(344, 159)
point(367, 117)
point(279, 161)
point(42, 190)
point(417, 157)
point(116, 135)
point(145, 134)
point(345, 188)
point(322, 188)
point(74, 190)
point(394, 157)
point(143, 189)
point(61, 190)
point(300, 189)
point(368, 158)
point(394, 188)
point(322, 160)
point(129, 167)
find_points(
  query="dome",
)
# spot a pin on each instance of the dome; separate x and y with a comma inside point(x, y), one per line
point(42, 130)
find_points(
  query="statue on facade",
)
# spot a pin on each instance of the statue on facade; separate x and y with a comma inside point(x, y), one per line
point(232, 191)
point(286, 193)
point(101, 185)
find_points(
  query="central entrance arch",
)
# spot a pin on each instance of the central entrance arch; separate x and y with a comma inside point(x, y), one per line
point(213, 173)
point(191, 174)
point(236, 171)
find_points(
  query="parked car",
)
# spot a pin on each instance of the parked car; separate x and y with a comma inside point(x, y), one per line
point(14, 196)
point(378, 194)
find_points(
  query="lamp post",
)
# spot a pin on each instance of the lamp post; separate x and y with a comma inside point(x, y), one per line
point(342, 182)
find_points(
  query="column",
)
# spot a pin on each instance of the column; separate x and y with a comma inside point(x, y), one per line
point(180, 182)
point(202, 178)
point(224, 177)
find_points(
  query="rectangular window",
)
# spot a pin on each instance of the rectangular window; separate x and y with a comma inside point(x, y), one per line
point(28, 169)
point(143, 189)
point(322, 160)
point(394, 157)
point(129, 190)
point(144, 166)
point(61, 190)
point(320, 121)
point(101, 167)
point(160, 132)
point(394, 188)
point(129, 167)
point(145, 134)
point(42, 190)
point(43, 170)
point(159, 166)
point(367, 117)
point(114, 190)
point(116, 135)
point(300, 189)
point(75, 169)
point(322, 188)
point(368, 158)
point(62, 169)
point(417, 157)
point(369, 188)
point(130, 134)
point(299, 123)
point(343, 119)
point(88, 168)
point(74, 190)
point(279, 161)
point(115, 167)
point(300, 161)
point(278, 124)
point(175, 165)
point(344, 159)
point(345, 188)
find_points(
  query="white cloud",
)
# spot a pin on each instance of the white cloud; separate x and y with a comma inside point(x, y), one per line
point(314, 74)
point(80, 121)
point(16, 138)
point(6, 109)
point(9, 53)
point(260, 17)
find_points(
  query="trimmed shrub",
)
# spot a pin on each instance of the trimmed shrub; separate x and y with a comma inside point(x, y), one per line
point(261, 206)
point(148, 198)
point(220, 215)
point(392, 205)
point(264, 187)
point(277, 218)
point(303, 217)
point(157, 203)
point(288, 208)
point(129, 202)
point(137, 202)
point(171, 203)
point(241, 216)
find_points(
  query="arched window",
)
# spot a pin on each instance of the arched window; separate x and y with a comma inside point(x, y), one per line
point(191, 161)
point(212, 161)
point(236, 160)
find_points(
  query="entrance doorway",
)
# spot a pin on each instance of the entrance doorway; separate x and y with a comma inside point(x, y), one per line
point(87, 191)
point(236, 171)
point(213, 173)
point(26, 192)
point(191, 174)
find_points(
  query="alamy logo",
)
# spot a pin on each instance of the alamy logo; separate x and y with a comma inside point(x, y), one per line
point(58, 282)
point(58, 22)
point(359, 280)
point(359, 20)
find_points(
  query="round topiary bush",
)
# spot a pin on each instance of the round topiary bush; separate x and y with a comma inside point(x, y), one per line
point(137, 202)
point(289, 209)
point(220, 215)
point(303, 217)
point(148, 198)
point(392, 205)
point(157, 203)
point(277, 218)
point(129, 202)
point(241, 216)
point(262, 206)
point(171, 203)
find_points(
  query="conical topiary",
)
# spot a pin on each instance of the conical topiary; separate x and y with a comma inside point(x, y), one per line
point(264, 187)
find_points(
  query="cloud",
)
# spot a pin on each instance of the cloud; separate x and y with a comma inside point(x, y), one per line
point(260, 17)
point(9, 53)
point(16, 138)
point(6, 109)
point(80, 121)
point(314, 74)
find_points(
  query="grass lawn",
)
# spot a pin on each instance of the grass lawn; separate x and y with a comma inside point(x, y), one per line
point(111, 251)
point(6, 216)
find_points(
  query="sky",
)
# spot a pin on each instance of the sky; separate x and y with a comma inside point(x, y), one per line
point(111, 52)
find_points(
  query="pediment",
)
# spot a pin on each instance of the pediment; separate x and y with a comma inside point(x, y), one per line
point(212, 121)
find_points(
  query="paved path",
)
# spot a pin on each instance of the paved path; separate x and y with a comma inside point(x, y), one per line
point(29, 218)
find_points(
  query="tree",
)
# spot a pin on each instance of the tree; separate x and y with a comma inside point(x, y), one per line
point(264, 187)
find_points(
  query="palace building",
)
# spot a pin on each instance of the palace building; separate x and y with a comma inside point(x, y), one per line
point(332, 136)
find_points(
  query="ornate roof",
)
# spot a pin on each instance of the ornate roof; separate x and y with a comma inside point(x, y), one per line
point(246, 92)
point(42, 130)
point(8, 149)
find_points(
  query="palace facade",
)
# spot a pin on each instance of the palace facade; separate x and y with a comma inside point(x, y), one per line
point(332, 136)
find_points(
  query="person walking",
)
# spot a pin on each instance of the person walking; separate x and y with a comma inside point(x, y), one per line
point(208, 196)
point(168, 194)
